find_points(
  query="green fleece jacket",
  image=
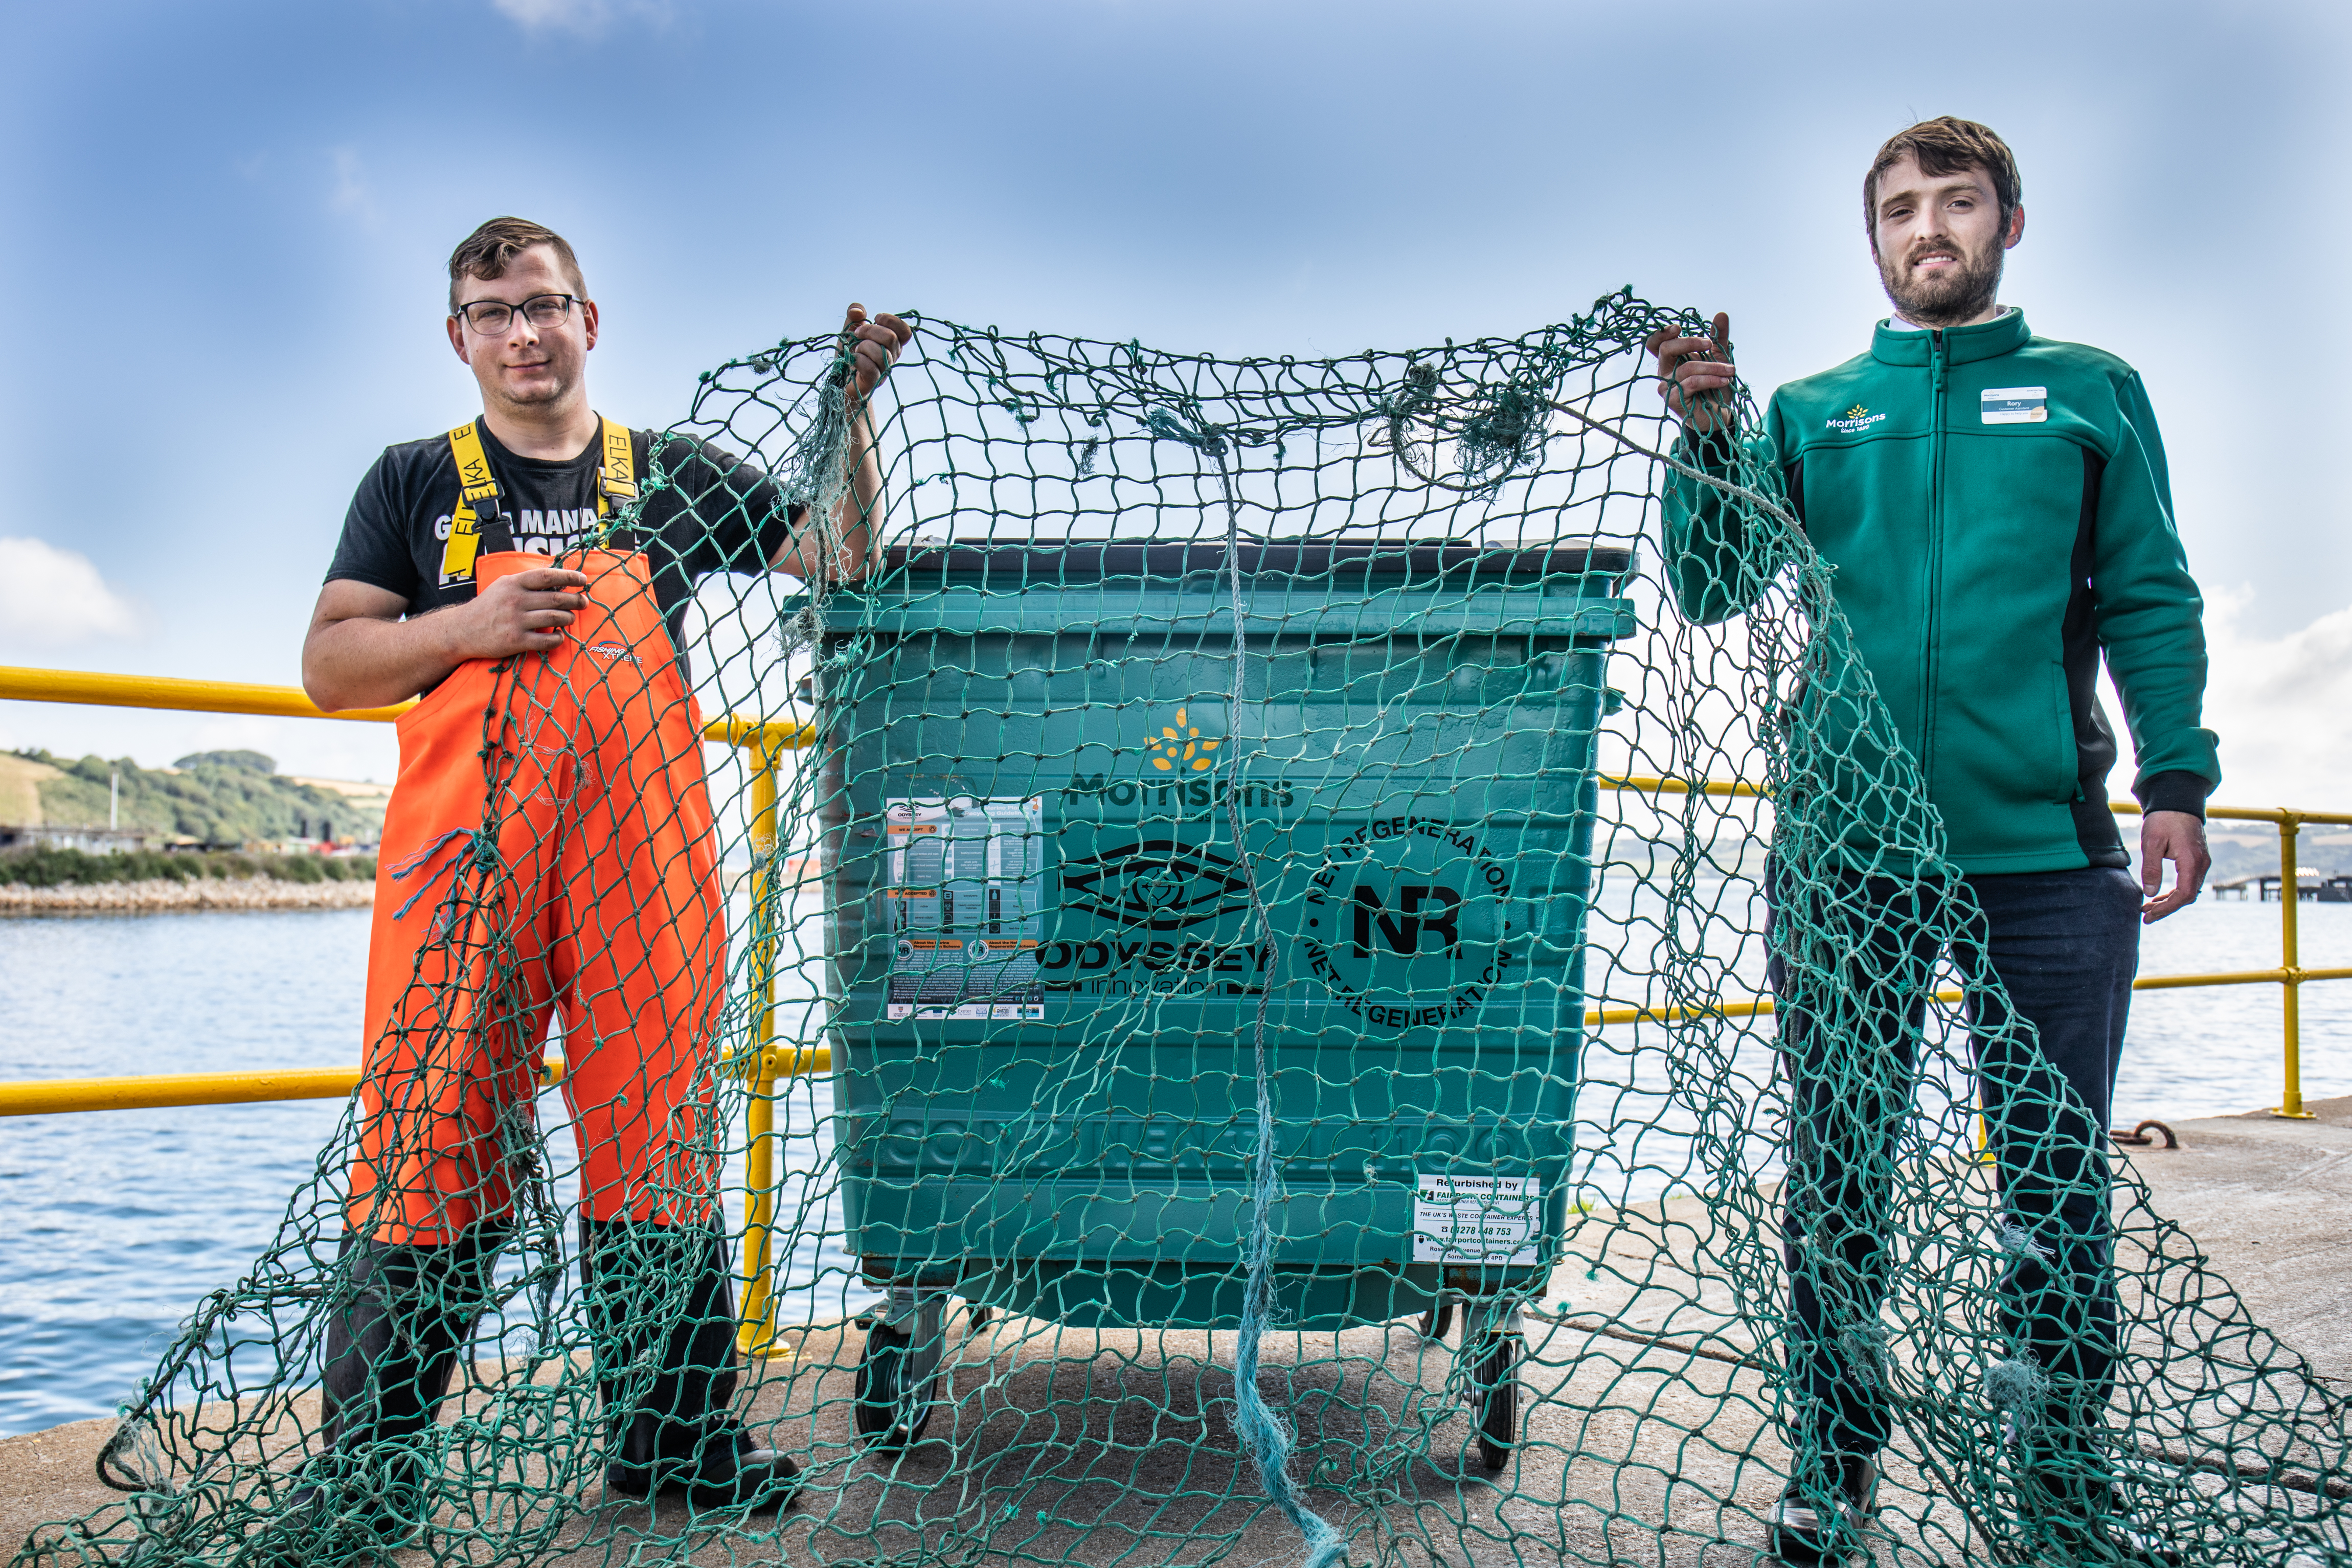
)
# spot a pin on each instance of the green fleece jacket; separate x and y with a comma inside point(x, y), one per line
point(1997, 514)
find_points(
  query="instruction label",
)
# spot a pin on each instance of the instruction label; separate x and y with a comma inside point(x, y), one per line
point(1461, 1219)
point(965, 887)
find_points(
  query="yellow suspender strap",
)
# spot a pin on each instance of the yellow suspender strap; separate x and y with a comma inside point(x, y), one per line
point(617, 485)
point(474, 483)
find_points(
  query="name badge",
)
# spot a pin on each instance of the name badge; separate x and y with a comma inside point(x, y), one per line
point(2014, 405)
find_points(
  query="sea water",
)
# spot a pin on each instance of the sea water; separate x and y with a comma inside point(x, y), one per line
point(114, 1224)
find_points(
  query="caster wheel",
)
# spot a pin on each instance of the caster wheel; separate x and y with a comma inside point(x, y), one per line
point(891, 1413)
point(1496, 1388)
point(1435, 1321)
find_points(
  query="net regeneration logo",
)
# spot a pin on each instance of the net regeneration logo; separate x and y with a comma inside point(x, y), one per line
point(1180, 748)
point(1857, 419)
point(1408, 922)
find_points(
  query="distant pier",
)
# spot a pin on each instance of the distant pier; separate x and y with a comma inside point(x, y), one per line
point(2310, 885)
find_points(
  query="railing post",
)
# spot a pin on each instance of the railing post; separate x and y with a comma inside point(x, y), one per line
point(2291, 961)
point(758, 1329)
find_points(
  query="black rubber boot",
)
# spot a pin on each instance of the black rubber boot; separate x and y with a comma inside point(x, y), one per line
point(1822, 1522)
point(400, 1316)
point(2071, 1492)
point(2116, 1539)
point(661, 1308)
point(2084, 1514)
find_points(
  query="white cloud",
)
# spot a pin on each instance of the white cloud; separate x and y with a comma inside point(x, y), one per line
point(586, 17)
point(49, 595)
point(2279, 705)
point(353, 193)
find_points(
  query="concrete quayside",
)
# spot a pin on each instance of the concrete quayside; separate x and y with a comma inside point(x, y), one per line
point(1648, 1431)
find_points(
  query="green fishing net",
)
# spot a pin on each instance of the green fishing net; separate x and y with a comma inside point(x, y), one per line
point(1220, 1009)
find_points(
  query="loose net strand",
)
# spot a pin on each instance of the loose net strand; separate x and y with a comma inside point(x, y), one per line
point(1263, 1043)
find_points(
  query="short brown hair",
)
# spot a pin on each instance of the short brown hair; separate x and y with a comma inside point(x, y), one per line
point(1942, 146)
point(488, 252)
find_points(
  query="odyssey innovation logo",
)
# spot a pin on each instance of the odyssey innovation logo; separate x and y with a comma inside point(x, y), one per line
point(1156, 885)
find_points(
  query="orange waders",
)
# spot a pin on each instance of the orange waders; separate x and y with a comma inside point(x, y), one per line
point(548, 857)
point(548, 854)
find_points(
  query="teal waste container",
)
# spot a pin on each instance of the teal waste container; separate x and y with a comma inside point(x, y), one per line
point(1074, 882)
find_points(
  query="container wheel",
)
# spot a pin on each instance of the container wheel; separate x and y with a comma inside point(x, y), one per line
point(890, 1414)
point(1496, 1390)
point(1435, 1321)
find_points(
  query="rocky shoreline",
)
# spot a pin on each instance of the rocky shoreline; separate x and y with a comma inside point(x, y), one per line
point(197, 894)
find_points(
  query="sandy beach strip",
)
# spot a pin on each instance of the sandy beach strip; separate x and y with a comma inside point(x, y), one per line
point(197, 894)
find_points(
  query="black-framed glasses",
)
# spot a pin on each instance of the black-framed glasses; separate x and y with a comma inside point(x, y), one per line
point(492, 317)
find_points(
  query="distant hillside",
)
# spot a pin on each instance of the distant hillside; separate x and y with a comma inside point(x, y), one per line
point(221, 800)
point(2251, 848)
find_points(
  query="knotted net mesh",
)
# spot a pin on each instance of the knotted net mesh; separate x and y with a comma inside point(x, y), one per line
point(1218, 1006)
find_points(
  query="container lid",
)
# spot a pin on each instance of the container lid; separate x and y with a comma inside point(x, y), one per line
point(1009, 563)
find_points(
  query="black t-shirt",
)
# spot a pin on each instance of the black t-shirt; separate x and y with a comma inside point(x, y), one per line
point(718, 513)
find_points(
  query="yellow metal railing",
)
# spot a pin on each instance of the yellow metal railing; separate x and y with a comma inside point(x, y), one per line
point(2289, 974)
point(172, 694)
point(47, 1096)
point(90, 687)
point(767, 741)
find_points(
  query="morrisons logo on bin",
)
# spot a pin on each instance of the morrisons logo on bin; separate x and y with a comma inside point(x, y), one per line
point(1180, 748)
point(1177, 767)
point(1155, 885)
point(1196, 791)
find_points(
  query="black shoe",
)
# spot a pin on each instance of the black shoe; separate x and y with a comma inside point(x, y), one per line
point(2089, 1518)
point(346, 1508)
point(760, 1480)
point(398, 1318)
point(661, 1307)
point(730, 1472)
point(1802, 1536)
point(2118, 1542)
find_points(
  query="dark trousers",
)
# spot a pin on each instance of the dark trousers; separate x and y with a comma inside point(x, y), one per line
point(1852, 962)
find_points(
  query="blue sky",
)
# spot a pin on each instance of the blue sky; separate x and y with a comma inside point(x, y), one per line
point(229, 223)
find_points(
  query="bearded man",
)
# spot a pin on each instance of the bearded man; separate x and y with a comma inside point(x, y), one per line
point(1996, 509)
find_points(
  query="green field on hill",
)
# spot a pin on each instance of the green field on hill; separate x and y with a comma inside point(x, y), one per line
point(218, 799)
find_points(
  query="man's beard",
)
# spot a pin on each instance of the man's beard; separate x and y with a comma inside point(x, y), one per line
point(1948, 297)
point(554, 389)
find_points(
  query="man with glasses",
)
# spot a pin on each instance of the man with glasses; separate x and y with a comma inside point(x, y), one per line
point(548, 862)
point(393, 619)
